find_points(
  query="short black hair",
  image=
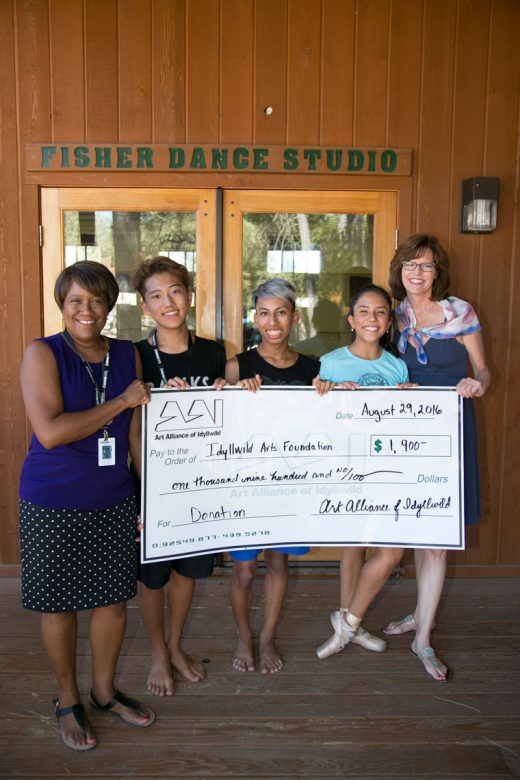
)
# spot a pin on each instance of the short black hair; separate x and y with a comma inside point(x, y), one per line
point(159, 265)
point(92, 276)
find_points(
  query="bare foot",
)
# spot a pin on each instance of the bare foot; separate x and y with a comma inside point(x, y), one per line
point(192, 670)
point(244, 658)
point(270, 659)
point(431, 663)
point(160, 679)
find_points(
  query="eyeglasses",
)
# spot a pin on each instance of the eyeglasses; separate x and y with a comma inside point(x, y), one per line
point(427, 268)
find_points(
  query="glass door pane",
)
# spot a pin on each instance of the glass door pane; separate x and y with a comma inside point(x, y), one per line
point(328, 244)
point(120, 227)
point(326, 256)
point(120, 240)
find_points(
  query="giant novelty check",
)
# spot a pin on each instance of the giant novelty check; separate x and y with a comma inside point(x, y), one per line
point(231, 469)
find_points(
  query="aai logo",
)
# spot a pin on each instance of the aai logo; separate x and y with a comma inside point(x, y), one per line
point(182, 414)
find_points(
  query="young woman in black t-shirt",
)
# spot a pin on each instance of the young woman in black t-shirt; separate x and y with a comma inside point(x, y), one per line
point(274, 362)
point(173, 357)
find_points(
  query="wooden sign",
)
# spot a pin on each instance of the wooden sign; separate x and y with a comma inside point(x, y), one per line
point(214, 159)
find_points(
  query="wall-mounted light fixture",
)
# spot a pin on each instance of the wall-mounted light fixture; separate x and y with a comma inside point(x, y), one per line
point(478, 204)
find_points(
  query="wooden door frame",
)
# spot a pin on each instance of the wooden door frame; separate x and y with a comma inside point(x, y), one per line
point(56, 200)
point(236, 203)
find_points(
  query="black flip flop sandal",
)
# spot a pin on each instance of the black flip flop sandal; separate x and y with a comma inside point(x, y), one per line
point(79, 714)
point(126, 701)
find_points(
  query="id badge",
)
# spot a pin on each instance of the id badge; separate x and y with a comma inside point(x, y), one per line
point(107, 451)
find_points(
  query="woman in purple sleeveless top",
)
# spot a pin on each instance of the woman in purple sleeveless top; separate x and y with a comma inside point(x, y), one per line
point(437, 336)
point(78, 515)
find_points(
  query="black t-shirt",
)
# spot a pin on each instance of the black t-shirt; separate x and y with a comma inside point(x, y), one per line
point(302, 372)
point(202, 363)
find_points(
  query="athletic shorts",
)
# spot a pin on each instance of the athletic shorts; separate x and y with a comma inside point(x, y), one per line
point(251, 555)
point(157, 574)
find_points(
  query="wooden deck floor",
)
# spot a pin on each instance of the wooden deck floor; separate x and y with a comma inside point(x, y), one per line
point(357, 714)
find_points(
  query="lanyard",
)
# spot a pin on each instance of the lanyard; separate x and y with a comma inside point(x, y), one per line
point(100, 391)
point(160, 366)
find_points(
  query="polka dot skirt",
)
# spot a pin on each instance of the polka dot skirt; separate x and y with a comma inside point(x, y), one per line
point(75, 559)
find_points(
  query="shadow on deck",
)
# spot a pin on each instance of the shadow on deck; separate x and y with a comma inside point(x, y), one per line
point(357, 714)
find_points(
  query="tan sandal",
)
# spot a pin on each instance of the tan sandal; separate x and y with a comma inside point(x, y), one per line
point(428, 656)
point(403, 626)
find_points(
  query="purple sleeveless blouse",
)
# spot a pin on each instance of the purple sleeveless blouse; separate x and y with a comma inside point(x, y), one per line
point(68, 476)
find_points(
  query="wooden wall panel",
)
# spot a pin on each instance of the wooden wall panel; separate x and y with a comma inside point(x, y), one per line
point(507, 525)
point(439, 76)
point(469, 114)
point(270, 72)
point(169, 71)
point(337, 72)
point(236, 80)
point(404, 74)
point(20, 299)
point(67, 70)
point(34, 123)
point(404, 85)
point(371, 77)
point(496, 293)
point(32, 45)
point(202, 76)
point(304, 55)
point(12, 416)
point(467, 151)
point(101, 100)
point(435, 111)
point(135, 71)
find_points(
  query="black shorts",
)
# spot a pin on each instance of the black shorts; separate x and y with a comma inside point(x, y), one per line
point(157, 574)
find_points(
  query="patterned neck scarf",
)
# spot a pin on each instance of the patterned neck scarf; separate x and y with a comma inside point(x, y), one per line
point(459, 320)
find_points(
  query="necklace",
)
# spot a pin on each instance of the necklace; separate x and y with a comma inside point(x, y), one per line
point(100, 392)
point(72, 344)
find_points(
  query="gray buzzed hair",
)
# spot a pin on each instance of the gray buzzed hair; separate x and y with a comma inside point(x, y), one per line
point(275, 288)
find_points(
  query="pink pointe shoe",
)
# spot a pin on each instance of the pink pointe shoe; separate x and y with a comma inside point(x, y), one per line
point(344, 634)
point(369, 641)
point(332, 646)
point(361, 637)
